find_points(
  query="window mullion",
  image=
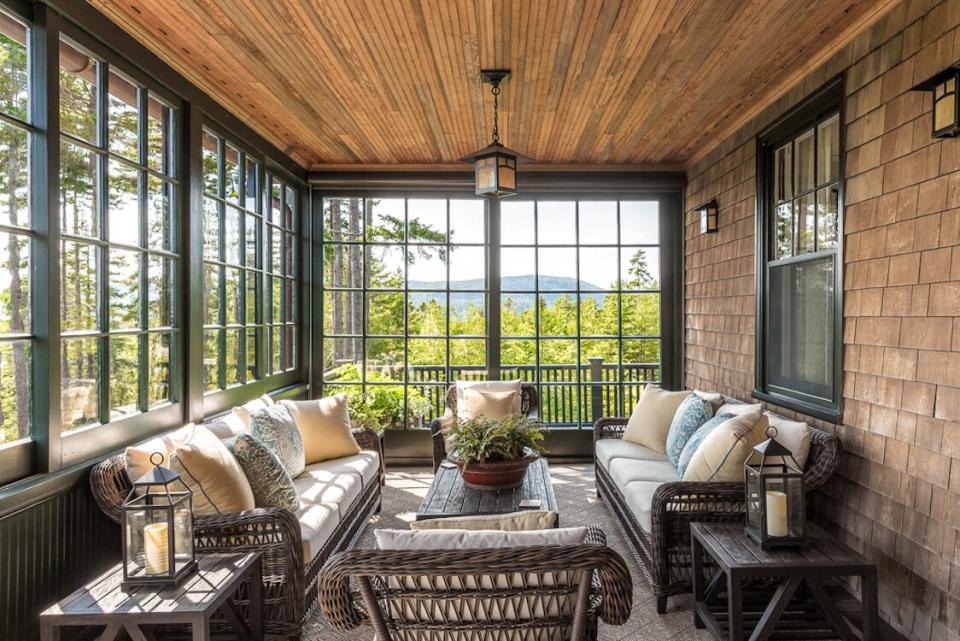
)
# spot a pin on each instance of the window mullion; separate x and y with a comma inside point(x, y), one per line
point(103, 190)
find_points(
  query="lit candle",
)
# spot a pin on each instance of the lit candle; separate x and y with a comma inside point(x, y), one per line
point(155, 548)
point(776, 513)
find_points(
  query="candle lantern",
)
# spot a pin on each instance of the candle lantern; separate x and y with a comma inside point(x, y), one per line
point(776, 513)
point(158, 529)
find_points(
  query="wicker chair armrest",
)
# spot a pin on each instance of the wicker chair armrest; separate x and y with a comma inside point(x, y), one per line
point(609, 427)
point(828, 454)
point(595, 536)
point(437, 426)
point(110, 486)
point(681, 497)
point(534, 413)
point(336, 599)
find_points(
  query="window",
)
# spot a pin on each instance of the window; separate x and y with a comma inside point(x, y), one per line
point(119, 244)
point(282, 276)
point(800, 310)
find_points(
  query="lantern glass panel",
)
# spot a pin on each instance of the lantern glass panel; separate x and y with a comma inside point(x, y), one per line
point(149, 539)
point(508, 175)
point(754, 491)
point(486, 171)
point(944, 111)
point(183, 526)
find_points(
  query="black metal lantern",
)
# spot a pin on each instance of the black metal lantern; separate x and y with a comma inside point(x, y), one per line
point(776, 511)
point(946, 107)
point(495, 166)
point(709, 217)
point(158, 529)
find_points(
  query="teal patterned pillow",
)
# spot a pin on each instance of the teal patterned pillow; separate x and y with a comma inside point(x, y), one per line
point(693, 412)
point(275, 426)
point(698, 437)
point(271, 485)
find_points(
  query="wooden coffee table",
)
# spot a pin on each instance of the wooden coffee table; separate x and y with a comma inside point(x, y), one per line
point(448, 496)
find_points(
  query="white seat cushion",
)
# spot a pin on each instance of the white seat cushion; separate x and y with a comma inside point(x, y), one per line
point(611, 448)
point(365, 465)
point(317, 523)
point(639, 496)
point(319, 487)
point(625, 470)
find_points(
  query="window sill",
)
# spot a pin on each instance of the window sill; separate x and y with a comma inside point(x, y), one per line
point(829, 413)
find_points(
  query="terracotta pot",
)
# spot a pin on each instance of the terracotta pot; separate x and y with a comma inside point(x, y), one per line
point(495, 475)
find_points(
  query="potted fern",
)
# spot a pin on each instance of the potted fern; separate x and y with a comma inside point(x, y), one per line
point(495, 453)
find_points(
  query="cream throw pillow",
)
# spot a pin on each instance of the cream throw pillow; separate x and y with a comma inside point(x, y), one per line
point(513, 522)
point(138, 456)
point(489, 404)
point(324, 426)
point(794, 435)
point(471, 539)
point(245, 411)
point(211, 472)
point(720, 457)
point(486, 386)
point(651, 418)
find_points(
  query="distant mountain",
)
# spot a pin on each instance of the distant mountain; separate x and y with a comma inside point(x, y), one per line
point(527, 283)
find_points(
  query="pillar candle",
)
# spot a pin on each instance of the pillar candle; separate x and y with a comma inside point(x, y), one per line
point(776, 513)
point(155, 548)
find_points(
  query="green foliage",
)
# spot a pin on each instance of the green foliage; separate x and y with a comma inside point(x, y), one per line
point(481, 439)
point(381, 406)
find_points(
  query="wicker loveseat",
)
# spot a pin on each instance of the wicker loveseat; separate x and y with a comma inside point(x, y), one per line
point(529, 407)
point(294, 546)
point(556, 592)
point(655, 514)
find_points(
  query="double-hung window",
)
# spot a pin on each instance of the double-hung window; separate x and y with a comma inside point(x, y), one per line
point(799, 283)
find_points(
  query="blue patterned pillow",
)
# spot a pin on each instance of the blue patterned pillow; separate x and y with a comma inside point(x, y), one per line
point(698, 437)
point(271, 485)
point(275, 426)
point(693, 412)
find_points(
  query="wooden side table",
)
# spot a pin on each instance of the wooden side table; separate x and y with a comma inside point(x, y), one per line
point(799, 572)
point(137, 611)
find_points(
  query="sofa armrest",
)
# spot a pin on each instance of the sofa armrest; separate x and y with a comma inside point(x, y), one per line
point(609, 427)
point(367, 439)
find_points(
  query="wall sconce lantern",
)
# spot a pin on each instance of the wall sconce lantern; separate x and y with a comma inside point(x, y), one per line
point(495, 166)
point(775, 506)
point(946, 107)
point(709, 217)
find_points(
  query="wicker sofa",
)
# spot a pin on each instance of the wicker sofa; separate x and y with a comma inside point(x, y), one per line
point(529, 407)
point(655, 509)
point(294, 546)
point(524, 593)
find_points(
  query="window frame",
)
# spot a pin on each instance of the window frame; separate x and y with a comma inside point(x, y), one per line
point(814, 109)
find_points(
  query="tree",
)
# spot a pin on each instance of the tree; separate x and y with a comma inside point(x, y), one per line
point(640, 276)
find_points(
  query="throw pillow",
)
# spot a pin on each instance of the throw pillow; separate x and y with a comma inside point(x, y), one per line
point(651, 418)
point(137, 457)
point(275, 427)
point(696, 439)
point(721, 455)
point(243, 412)
point(471, 539)
point(513, 522)
point(227, 426)
point(324, 426)
point(716, 398)
point(269, 481)
point(486, 386)
point(489, 404)
point(212, 474)
point(794, 435)
point(693, 412)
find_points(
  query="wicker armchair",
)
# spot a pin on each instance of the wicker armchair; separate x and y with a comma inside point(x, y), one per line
point(289, 586)
point(455, 594)
point(529, 407)
point(664, 552)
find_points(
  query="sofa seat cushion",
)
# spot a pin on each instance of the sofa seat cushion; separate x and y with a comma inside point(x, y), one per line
point(639, 496)
point(624, 471)
point(317, 523)
point(608, 449)
point(320, 487)
point(365, 465)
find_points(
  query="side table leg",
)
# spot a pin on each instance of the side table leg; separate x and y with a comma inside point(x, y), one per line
point(49, 632)
point(697, 570)
point(201, 629)
point(734, 606)
point(871, 617)
point(255, 606)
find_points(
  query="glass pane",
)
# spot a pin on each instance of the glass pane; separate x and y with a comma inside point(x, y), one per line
point(159, 221)
point(253, 347)
point(518, 359)
point(424, 403)
point(233, 365)
point(15, 206)
point(342, 312)
point(232, 287)
point(276, 350)
point(558, 352)
point(640, 267)
point(385, 359)
point(79, 198)
point(386, 217)
point(289, 206)
point(556, 222)
point(385, 268)
point(211, 361)
point(250, 177)
point(290, 347)
point(641, 314)
point(783, 173)
point(517, 315)
point(427, 314)
point(427, 358)
point(290, 255)
point(516, 223)
point(160, 274)
point(275, 247)
point(14, 91)
point(80, 367)
point(806, 223)
point(598, 223)
point(123, 117)
point(211, 173)
point(276, 203)
point(211, 293)
point(426, 220)
point(558, 315)
point(124, 376)
point(159, 136)
point(784, 239)
point(124, 204)
point(639, 222)
point(828, 150)
point(340, 359)
point(251, 280)
point(517, 269)
point(211, 229)
point(468, 267)
point(598, 315)
point(385, 313)
point(231, 235)
point(124, 289)
point(598, 268)
point(15, 366)
point(14, 283)
point(427, 267)
point(467, 315)
point(805, 160)
point(251, 238)
point(159, 389)
point(601, 356)
point(827, 217)
point(468, 355)
point(78, 93)
point(466, 221)
point(557, 269)
point(801, 326)
point(276, 300)
point(643, 356)
point(231, 174)
point(79, 284)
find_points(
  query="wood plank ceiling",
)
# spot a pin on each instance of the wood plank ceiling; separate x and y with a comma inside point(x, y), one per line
point(358, 82)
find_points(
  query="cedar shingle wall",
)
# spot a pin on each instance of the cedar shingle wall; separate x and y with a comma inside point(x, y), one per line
point(897, 497)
